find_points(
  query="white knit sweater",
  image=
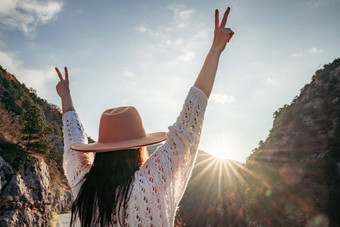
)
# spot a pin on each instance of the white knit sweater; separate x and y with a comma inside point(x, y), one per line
point(161, 181)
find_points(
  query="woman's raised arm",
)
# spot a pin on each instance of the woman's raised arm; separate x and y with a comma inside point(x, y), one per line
point(222, 35)
point(169, 168)
point(76, 164)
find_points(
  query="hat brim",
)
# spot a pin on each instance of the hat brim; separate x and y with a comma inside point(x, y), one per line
point(149, 139)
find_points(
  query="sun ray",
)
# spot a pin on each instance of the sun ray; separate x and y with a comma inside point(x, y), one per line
point(206, 169)
point(198, 164)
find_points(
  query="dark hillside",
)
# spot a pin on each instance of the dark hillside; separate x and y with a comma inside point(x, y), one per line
point(209, 198)
point(291, 179)
point(299, 161)
point(15, 101)
point(31, 147)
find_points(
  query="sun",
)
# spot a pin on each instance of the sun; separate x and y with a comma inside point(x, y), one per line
point(223, 150)
point(218, 153)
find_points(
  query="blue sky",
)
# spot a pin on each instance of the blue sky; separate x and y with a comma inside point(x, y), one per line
point(148, 54)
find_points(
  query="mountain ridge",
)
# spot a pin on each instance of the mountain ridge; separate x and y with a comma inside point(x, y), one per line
point(291, 179)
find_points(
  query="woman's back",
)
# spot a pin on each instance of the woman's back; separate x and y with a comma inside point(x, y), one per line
point(160, 182)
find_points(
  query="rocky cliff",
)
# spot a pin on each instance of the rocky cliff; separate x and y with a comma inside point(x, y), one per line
point(26, 196)
point(32, 182)
point(293, 176)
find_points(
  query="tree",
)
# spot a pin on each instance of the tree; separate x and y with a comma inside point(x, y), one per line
point(35, 131)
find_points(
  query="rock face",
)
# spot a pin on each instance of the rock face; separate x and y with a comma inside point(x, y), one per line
point(299, 161)
point(311, 119)
point(26, 198)
point(32, 182)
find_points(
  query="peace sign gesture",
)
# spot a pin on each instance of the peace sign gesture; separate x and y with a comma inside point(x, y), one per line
point(63, 87)
point(222, 35)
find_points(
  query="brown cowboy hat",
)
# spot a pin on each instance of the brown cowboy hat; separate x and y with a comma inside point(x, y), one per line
point(121, 128)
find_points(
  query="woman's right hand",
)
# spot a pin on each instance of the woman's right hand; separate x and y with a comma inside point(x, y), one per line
point(63, 87)
point(222, 35)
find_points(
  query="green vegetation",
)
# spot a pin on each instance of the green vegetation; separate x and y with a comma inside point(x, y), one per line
point(36, 131)
point(12, 153)
point(30, 126)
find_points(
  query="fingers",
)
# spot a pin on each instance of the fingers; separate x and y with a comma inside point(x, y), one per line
point(66, 73)
point(217, 20)
point(59, 74)
point(225, 17)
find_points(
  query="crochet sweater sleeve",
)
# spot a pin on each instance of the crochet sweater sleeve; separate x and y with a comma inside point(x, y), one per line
point(76, 164)
point(161, 181)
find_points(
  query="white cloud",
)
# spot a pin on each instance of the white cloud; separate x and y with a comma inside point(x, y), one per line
point(26, 15)
point(315, 50)
point(181, 14)
point(319, 3)
point(175, 43)
point(221, 98)
point(141, 28)
point(271, 81)
point(128, 73)
point(32, 77)
point(299, 54)
point(150, 32)
point(186, 55)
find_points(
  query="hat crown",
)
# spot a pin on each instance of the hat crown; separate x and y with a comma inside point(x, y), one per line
point(120, 124)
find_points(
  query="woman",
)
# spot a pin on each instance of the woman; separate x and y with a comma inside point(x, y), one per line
point(113, 181)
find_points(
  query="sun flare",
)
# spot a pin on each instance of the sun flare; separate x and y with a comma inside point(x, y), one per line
point(224, 151)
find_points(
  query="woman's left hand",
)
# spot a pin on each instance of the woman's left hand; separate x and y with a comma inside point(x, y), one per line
point(222, 35)
point(63, 87)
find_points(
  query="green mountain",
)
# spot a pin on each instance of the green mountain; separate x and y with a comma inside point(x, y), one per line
point(32, 182)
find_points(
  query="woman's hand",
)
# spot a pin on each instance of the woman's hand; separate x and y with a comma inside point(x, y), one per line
point(222, 35)
point(63, 90)
point(63, 87)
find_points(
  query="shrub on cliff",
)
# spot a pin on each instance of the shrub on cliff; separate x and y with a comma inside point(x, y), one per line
point(36, 131)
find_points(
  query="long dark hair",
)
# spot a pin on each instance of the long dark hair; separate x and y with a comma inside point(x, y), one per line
point(107, 187)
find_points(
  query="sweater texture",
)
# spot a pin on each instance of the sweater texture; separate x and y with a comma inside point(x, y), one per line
point(160, 182)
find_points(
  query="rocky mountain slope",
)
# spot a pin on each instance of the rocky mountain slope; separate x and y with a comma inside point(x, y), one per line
point(32, 183)
point(291, 179)
point(293, 176)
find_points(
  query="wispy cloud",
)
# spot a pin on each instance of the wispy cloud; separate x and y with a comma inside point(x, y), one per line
point(141, 28)
point(27, 15)
point(221, 98)
point(186, 55)
point(271, 81)
point(299, 54)
point(166, 35)
point(181, 14)
point(315, 50)
point(149, 31)
point(319, 3)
